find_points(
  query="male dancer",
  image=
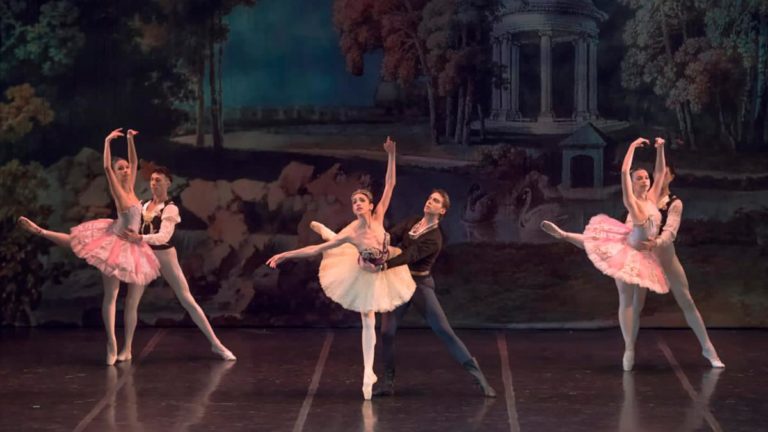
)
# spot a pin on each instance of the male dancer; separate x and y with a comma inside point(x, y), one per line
point(420, 239)
point(159, 218)
point(671, 208)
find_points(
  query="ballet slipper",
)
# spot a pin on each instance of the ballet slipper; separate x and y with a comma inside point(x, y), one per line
point(369, 379)
point(710, 354)
point(552, 229)
point(29, 226)
point(223, 352)
point(628, 361)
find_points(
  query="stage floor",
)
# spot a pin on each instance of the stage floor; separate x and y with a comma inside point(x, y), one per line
point(309, 380)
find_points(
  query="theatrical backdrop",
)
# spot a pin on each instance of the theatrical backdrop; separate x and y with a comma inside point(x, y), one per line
point(270, 113)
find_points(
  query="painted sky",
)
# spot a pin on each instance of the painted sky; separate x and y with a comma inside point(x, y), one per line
point(286, 53)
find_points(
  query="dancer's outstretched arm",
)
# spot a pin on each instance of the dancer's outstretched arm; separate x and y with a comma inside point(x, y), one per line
point(309, 251)
point(389, 182)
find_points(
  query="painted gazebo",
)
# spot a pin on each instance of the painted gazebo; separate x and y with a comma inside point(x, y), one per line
point(546, 23)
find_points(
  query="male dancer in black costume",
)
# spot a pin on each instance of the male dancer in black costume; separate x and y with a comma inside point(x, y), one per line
point(420, 239)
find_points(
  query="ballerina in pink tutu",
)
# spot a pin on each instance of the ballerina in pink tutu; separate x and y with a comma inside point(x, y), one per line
point(341, 275)
point(98, 242)
point(620, 250)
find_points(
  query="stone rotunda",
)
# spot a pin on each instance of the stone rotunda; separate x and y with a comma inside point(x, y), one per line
point(546, 23)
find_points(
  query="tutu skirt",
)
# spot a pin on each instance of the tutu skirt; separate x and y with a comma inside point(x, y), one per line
point(96, 243)
point(606, 242)
point(355, 289)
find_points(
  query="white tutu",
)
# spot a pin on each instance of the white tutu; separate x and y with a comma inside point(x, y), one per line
point(355, 289)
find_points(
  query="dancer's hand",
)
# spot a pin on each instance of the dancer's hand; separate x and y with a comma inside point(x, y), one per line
point(640, 142)
point(646, 245)
point(130, 235)
point(114, 134)
point(277, 259)
point(389, 146)
point(132, 133)
point(658, 142)
point(370, 268)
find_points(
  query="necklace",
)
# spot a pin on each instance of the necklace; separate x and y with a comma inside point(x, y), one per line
point(421, 227)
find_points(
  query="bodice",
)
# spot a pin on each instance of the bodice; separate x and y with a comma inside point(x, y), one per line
point(374, 255)
point(129, 219)
point(648, 229)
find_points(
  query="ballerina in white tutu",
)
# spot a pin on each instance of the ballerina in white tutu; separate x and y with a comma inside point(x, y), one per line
point(342, 278)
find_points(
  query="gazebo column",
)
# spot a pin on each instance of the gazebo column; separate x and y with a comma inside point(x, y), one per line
point(580, 81)
point(513, 112)
point(545, 112)
point(505, 67)
point(497, 91)
point(592, 99)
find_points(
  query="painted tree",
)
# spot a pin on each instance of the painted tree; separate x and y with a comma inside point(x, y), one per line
point(419, 39)
point(22, 273)
point(459, 51)
point(23, 110)
point(740, 28)
point(37, 44)
point(710, 76)
point(393, 27)
point(658, 29)
point(194, 32)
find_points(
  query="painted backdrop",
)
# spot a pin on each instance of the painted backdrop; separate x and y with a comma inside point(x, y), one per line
point(270, 113)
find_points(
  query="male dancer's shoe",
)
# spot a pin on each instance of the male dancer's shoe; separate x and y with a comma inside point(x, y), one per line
point(387, 386)
point(473, 368)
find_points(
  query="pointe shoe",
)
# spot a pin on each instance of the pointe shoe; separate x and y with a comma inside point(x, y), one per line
point(29, 226)
point(111, 355)
point(324, 232)
point(711, 355)
point(368, 381)
point(552, 229)
point(124, 356)
point(223, 352)
point(628, 361)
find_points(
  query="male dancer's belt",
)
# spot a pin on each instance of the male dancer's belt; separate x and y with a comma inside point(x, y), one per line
point(420, 273)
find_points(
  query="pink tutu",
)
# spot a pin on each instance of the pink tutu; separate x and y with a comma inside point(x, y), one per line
point(606, 242)
point(95, 242)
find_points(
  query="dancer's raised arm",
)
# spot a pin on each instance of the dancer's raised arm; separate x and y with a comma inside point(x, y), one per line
point(114, 184)
point(389, 181)
point(628, 197)
point(133, 158)
point(659, 171)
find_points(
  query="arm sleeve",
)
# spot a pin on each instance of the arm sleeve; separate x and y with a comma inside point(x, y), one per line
point(398, 232)
point(167, 226)
point(421, 249)
point(669, 232)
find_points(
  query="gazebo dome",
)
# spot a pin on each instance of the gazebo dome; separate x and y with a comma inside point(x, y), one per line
point(567, 7)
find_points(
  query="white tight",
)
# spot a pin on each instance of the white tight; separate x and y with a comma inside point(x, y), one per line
point(632, 298)
point(369, 343)
point(172, 273)
point(631, 302)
